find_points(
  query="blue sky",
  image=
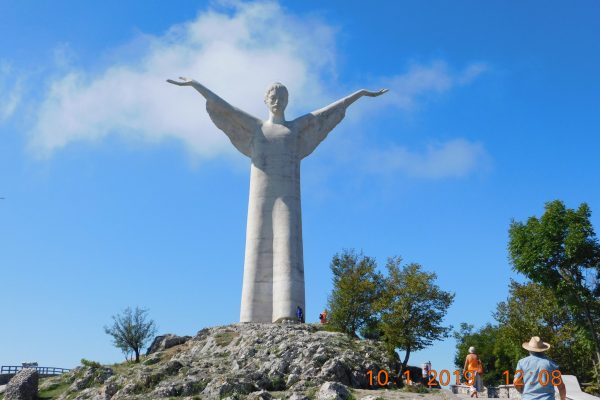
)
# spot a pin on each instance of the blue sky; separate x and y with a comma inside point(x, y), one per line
point(120, 192)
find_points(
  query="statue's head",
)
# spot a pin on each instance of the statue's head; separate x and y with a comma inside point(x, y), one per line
point(276, 98)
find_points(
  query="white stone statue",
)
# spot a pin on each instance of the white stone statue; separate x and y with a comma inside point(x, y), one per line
point(273, 286)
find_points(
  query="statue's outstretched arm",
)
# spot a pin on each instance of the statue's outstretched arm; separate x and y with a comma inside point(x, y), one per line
point(238, 125)
point(315, 126)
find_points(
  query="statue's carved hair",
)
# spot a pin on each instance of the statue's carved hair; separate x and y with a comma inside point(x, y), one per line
point(278, 88)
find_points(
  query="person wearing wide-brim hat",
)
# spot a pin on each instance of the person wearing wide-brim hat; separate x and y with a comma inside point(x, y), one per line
point(536, 372)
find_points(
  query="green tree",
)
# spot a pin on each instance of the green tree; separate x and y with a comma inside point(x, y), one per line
point(491, 347)
point(560, 252)
point(355, 288)
point(530, 310)
point(411, 308)
point(534, 310)
point(131, 331)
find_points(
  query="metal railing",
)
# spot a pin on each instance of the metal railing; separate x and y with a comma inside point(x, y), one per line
point(46, 371)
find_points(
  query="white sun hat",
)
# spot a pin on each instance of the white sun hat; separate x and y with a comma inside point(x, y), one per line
point(536, 345)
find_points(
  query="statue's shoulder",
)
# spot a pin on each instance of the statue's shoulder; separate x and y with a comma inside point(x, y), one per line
point(303, 122)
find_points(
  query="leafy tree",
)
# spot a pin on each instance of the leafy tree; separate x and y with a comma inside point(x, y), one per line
point(372, 329)
point(495, 353)
point(355, 288)
point(560, 252)
point(533, 309)
point(411, 308)
point(131, 331)
point(530, 309)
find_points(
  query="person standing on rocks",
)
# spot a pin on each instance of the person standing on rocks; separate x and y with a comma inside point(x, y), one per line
point(323, 317)
point(300, 314)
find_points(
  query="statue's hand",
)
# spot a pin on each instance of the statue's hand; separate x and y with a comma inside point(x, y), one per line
point(182, 82)
point(374, 94)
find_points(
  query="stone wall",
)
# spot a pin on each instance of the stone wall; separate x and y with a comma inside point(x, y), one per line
point(507, 392)
point(464, 389)
point(502, 391)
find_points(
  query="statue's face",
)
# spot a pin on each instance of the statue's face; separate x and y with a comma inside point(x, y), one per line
point(276, 99)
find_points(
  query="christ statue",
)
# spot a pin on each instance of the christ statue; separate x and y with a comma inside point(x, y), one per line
point(273, 285)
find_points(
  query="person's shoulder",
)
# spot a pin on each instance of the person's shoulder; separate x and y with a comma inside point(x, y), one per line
point(552, 364)
point(524, 360)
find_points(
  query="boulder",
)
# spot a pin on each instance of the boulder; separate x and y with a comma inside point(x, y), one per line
point(219, 388)
point(297, 396)
point(333, 391)
point(23, 386)
point(336, 370)
point(171, 367)
point(110, 389)
point(167, 341)
point(261, 395)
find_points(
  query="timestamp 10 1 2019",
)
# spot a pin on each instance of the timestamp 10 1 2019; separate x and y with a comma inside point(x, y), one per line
point(445, 377)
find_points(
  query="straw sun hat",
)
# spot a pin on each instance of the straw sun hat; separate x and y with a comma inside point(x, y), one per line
point(536, 345)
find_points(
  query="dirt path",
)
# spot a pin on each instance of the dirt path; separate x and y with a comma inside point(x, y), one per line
point(387, 394)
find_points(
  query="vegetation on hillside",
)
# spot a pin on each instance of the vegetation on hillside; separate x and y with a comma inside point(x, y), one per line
point(560, 255)
point(131, 330)
point(404, 308)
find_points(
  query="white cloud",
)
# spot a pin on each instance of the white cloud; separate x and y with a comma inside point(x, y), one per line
point(237, 55)
point(426, 80)
point(236, 52)
point(453, 159)
point(11, 91)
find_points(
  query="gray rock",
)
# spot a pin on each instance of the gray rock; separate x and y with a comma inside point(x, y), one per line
point(297, 396)
point(336, 370)
point(333, 391)
point(110, 389)
point(261, 395)
point(23, 386)
point(219, 388)
point(291, 379)
point(295, 358)
point(171, 367)
point(167, 341)
point(193, 386)
point(125, 392)
point(168, 390)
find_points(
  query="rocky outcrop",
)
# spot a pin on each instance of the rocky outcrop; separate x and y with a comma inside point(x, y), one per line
point(23, 386)
point(165, 342)
point(242, 361)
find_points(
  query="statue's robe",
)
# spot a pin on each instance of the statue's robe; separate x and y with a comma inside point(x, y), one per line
point(273, 285)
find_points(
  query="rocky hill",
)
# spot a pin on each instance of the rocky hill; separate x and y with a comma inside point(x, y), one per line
point(294, 361)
